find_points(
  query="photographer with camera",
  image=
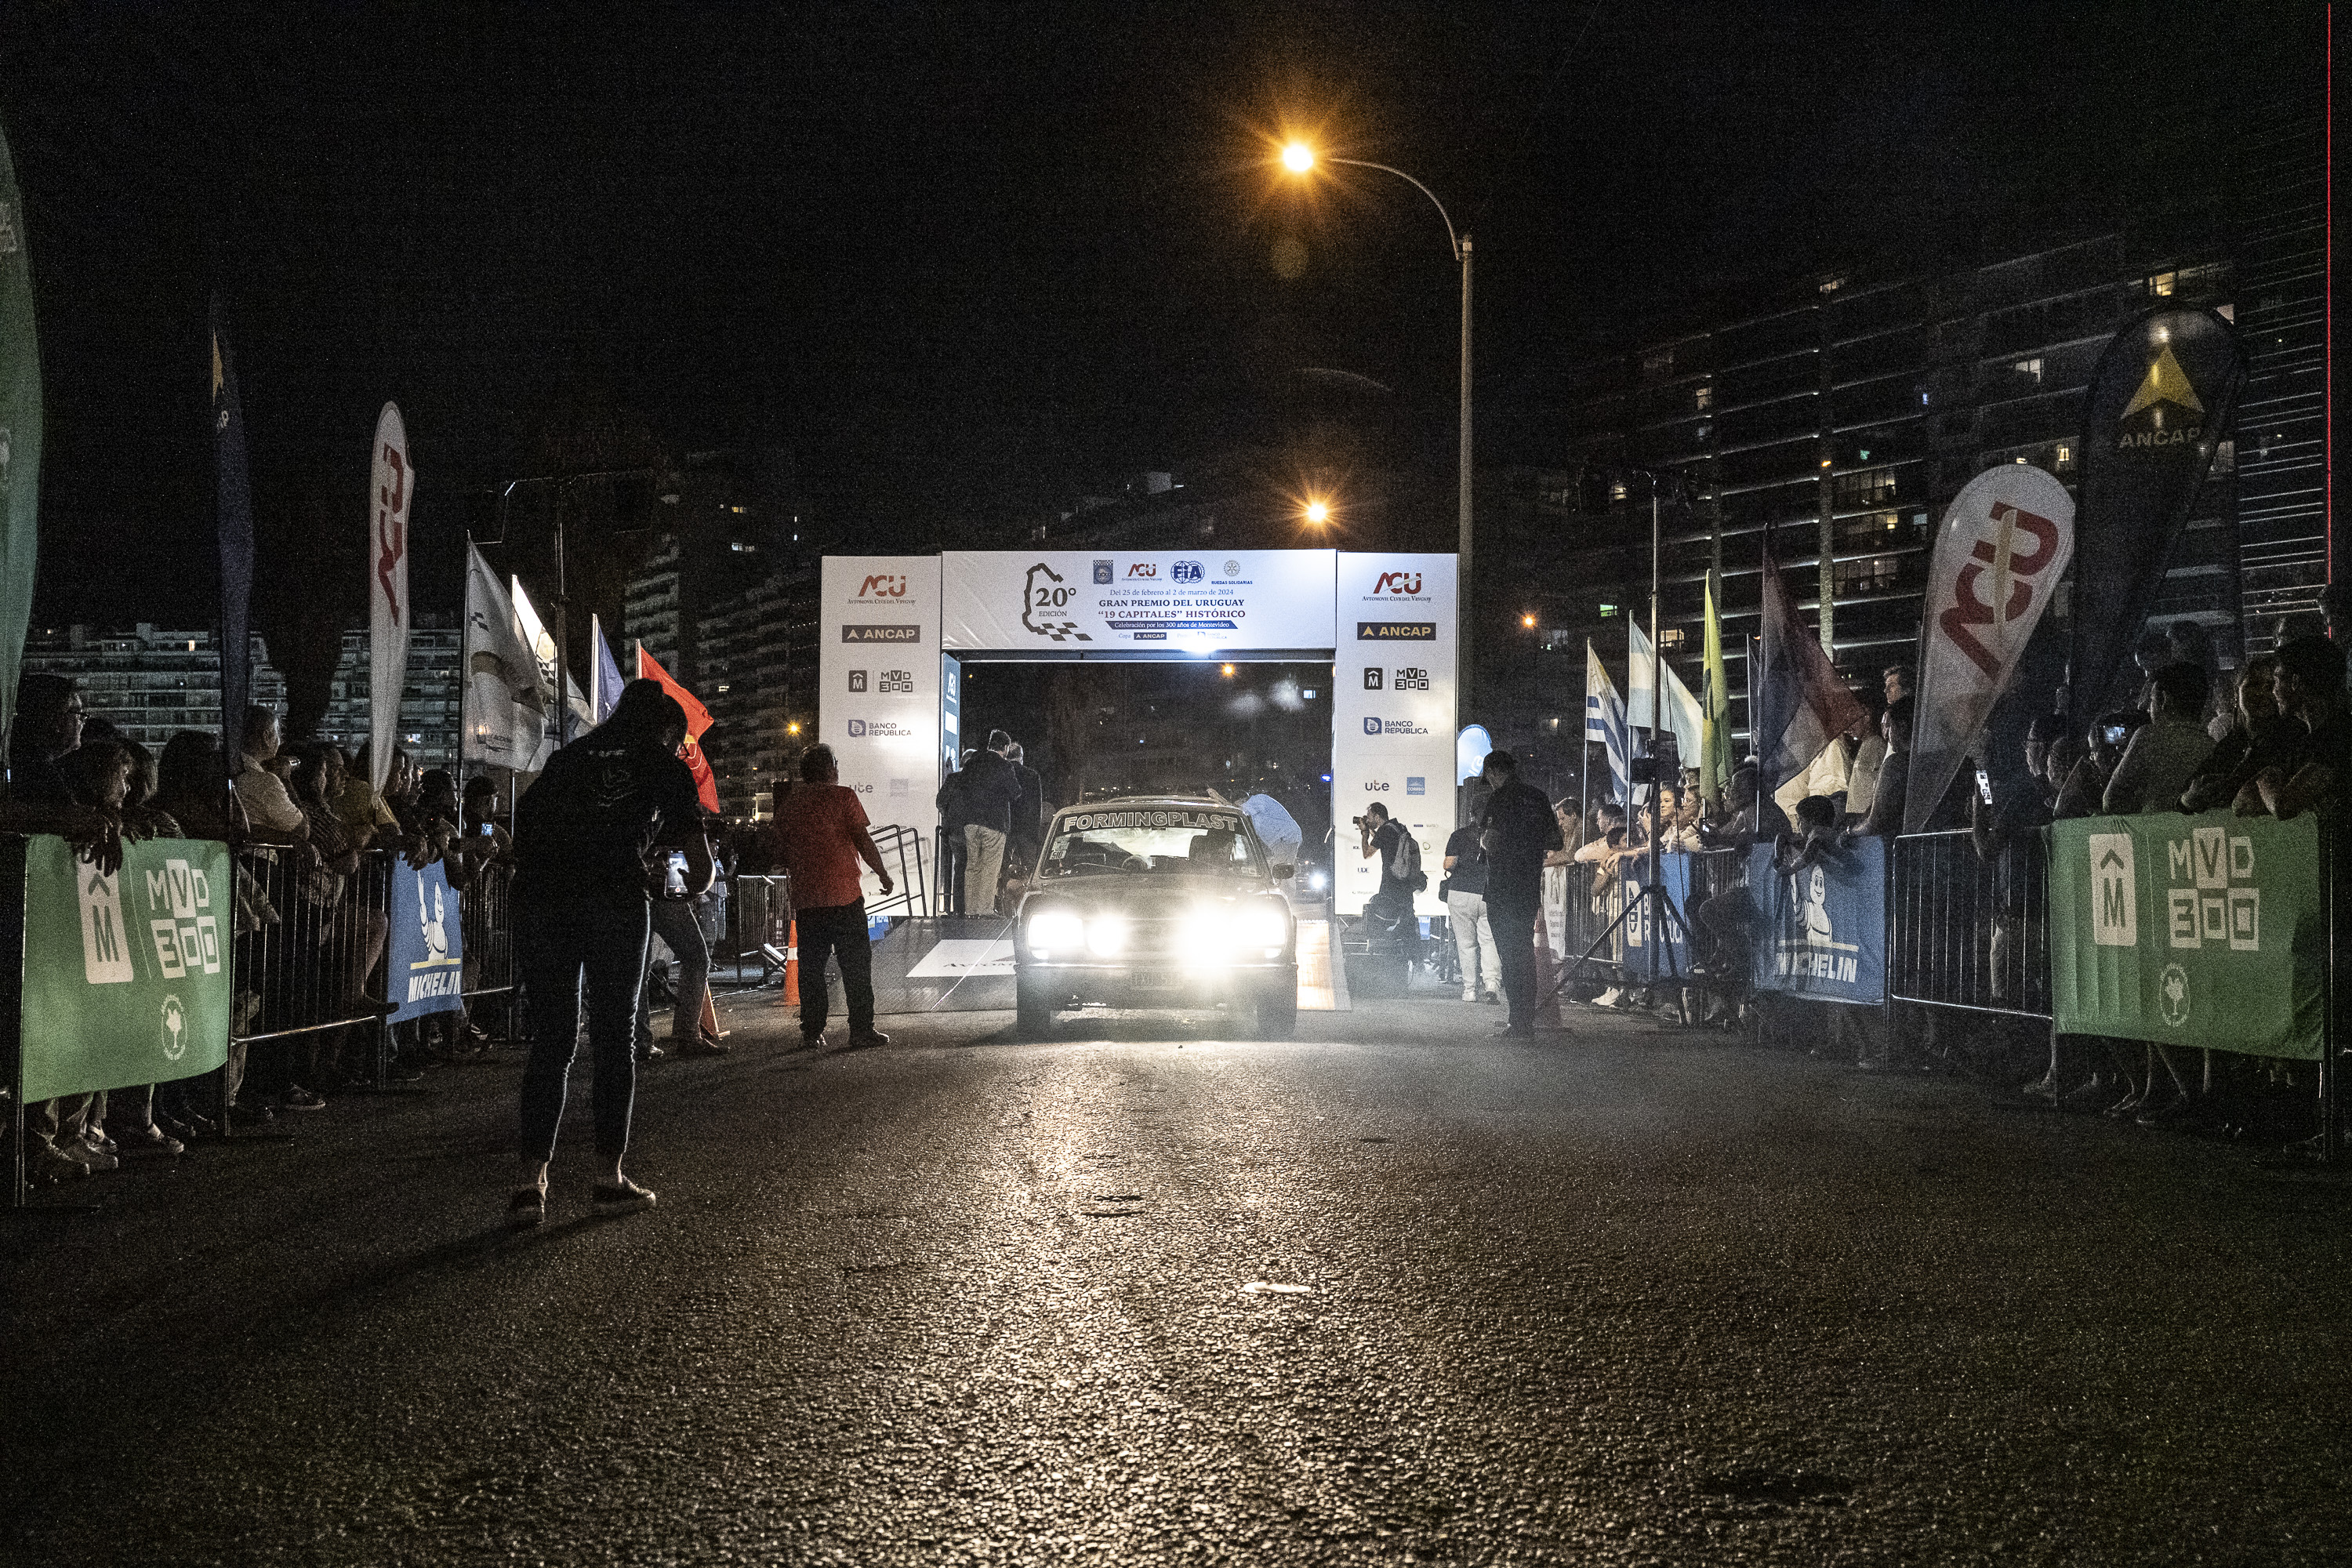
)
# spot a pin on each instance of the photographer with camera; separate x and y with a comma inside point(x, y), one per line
point(1379, 834)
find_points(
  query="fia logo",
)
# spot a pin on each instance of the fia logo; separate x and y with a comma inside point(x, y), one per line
point(899, 680)
point(1187, 572)
point(883, 585)
point(1373, 679)
point(1102, 572)
point(1143, 569)
point(1403, 583)
point(1409, 679)
point(857, 681)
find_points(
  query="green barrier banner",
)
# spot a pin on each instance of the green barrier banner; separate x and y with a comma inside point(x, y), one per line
point(129, 978)
point(2190, 930)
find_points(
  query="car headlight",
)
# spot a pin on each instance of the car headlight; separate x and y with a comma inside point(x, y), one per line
point(1265, 925)
point(1107, 935)
point(1056, 931)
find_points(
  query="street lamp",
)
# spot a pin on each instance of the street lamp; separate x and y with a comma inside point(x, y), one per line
point(1317, 512)
point(1300, 158)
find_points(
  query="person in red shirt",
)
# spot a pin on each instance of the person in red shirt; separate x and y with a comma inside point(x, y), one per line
point(822, 830)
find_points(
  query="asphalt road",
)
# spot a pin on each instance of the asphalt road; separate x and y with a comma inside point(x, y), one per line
point(1394, 1291)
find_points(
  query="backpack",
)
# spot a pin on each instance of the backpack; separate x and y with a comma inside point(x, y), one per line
point(1407, 866)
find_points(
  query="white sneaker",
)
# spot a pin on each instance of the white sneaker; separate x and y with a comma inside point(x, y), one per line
point(1469, 996)
point(1609, 998)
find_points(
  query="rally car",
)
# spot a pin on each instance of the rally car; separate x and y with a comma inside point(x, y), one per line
point(1158, 901)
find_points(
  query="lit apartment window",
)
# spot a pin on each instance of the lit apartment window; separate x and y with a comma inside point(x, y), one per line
point(2225, 457)
point(1617, 491)
point(2029, 367)
point(2066, 455)
point(1670, 636)
point(2162, 284)
point(1705, 397)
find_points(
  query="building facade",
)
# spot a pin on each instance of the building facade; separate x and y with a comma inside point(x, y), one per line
point(429, 718)
point(150, 683)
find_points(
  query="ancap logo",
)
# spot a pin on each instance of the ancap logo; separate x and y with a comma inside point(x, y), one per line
point(883, 585)
point(2165, 388)
point(1398, 583)
point(1142, 569)
point(1187, 572)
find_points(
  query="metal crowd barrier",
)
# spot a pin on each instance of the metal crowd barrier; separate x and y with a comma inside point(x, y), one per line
point(902, 850)
point(1968, 933)
point(759, 911)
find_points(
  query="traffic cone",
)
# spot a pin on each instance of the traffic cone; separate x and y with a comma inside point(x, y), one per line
point(792, 964)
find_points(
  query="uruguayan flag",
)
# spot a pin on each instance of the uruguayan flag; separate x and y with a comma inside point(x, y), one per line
point(1604, 720)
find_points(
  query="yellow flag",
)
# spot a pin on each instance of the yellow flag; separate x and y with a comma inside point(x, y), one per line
point(1715, 738)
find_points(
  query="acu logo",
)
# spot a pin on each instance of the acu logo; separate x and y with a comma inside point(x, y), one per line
point(1398, 583)
point(883, 585)
point(1959, 618)
point(1143, 569)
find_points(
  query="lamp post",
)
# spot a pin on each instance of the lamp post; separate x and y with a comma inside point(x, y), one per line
point(563, 483)
point(1301, 159)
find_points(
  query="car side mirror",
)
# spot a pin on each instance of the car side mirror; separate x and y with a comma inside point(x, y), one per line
point(1282, 870)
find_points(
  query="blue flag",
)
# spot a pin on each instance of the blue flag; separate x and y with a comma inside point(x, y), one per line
point(427, 962)
point(603, 674)
point(235, 492)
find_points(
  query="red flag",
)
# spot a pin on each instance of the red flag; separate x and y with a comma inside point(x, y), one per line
point(1798, 703)
point(698, 719)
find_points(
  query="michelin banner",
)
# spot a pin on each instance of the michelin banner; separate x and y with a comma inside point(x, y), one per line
point(128, 978)
point(2190, 932)
point(428, 963)
point(1822, 936)
point(1393, 737)
point(1070, 604)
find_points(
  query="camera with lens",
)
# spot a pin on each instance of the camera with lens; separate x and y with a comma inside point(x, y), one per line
point(1662, 764)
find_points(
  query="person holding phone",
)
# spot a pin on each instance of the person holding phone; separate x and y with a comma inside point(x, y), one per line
point(582, 891)
point(2159, 761)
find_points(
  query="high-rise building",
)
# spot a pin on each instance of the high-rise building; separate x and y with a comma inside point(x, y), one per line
point(430, 720)
point(1841, 412)
point(150, 683)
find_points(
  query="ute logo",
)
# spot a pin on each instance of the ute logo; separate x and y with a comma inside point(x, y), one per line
point(1403, 583)
point(883, 585)
point(1187, 572)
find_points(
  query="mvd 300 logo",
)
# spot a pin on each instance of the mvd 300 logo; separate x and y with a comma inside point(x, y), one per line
point(182, 923)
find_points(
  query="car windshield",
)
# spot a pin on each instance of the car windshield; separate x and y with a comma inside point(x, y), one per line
point(1174, 840)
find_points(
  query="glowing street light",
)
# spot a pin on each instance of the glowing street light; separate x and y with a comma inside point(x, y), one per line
point(1317, 512)
point(1300, 159)
point(1529, 621)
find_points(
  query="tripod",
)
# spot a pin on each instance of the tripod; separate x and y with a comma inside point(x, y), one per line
point(1659, 903)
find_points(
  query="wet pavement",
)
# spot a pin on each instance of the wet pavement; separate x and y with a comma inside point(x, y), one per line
point(1393, 1291)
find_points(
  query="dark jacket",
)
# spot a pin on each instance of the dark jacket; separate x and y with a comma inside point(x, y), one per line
point(1029, 811)
point(992, 789)
point(951, 802)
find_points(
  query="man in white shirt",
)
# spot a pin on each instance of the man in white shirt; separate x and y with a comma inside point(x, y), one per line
point(263, 795)
point(2168, 750)
point(1276, 829)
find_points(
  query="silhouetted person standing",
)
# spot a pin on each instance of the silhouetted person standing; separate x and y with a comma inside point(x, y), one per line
point(1520, 829)
point(584, 835)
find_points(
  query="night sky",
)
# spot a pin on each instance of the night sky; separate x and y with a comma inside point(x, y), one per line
point(965, 261)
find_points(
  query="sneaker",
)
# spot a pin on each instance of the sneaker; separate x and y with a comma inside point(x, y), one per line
point(650, 1054)
point(1491, 1000)
point(151, 1140)
point(699, 1046)
point(45, 1166)
point(88, 1156)
point(296, 1097)
point(811, 1043)
point(869, 1040)
point(1612, 997)
point(622, 1193)
point(1470, 996)
point(527, 1207)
